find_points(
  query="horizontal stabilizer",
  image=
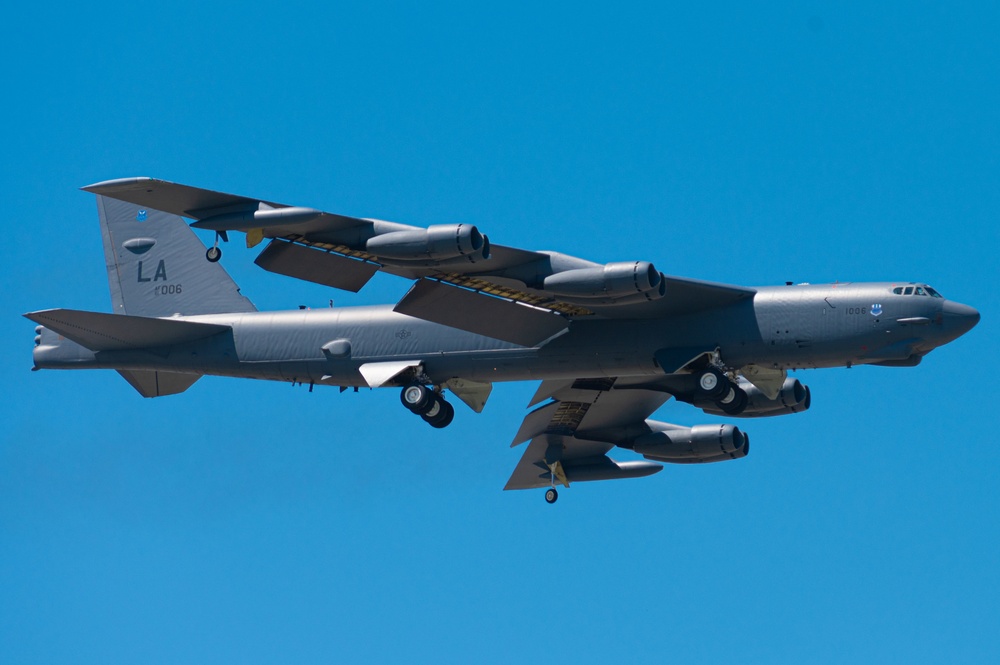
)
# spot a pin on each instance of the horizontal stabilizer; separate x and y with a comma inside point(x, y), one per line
point(117, 332)
point(481, 314)
point(157, 384)
point(315, 265)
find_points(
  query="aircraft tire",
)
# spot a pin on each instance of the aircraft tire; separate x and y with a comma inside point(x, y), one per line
point(213, 254)
point(713, 384)
point(442, 416)
point(551, 495)
point(417, 398)
point(736, 405)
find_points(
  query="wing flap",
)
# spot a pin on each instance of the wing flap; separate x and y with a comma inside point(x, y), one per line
point(481, 314)
point(317, 266)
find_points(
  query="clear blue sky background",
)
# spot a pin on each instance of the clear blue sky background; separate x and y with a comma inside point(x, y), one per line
point(256, 523)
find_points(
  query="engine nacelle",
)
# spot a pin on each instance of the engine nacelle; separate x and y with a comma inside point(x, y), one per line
point(614, 281)
point(701, 443)
point(440, 243)
point(794, 397)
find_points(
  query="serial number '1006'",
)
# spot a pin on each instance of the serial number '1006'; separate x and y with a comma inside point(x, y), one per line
point(166, 289)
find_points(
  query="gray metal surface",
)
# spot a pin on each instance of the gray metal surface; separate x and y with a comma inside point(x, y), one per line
point(316, 265)
point(480, 314)
point(607, 361)
point(157, 267)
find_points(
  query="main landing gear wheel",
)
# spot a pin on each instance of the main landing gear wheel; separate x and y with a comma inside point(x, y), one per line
point(213, 254)
point(427, 404)
point(713, 384)
point(440, 414)
point(551, 495)
point(418, 399)
point(735, 402)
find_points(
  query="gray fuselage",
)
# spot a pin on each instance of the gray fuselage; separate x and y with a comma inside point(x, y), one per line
point(784, 327)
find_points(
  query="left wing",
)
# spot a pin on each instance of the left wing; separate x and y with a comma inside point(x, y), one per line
point(571, 435)
point(521, 296)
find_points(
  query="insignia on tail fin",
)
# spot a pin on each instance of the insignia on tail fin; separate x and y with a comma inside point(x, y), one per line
point(157, 266)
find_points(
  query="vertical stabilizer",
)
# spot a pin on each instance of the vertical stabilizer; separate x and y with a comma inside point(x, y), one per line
point(157, 265)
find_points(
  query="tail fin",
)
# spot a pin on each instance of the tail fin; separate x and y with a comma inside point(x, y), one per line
point(157, 265)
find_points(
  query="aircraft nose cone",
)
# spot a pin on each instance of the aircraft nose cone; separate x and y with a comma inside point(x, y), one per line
point(958, 318)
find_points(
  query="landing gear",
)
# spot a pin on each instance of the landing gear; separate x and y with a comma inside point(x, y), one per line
point(214, 253)
point(735, 402)
point(417, 398)
point(440, 414)
point(427, 404)
point(713, 384)
point(551, 495)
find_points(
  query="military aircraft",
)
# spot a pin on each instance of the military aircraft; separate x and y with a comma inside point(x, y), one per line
point(610, 342)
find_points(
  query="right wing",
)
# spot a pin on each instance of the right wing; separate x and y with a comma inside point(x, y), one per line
point(571, 435)
point(522, 296)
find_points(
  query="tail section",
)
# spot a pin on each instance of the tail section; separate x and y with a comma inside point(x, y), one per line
point(157, 265)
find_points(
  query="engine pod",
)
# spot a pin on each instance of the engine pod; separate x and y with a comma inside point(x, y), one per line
point(438, 243)
point(616, 281)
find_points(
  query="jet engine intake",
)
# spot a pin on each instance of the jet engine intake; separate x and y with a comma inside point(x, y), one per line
point(633, 280)
point(440, 243)
point(794, 397)
point(701, 443)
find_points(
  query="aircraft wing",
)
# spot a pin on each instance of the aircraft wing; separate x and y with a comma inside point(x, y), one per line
point(571, 435)
point(523, 296)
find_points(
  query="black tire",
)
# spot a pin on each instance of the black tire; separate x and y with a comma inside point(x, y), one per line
point(735, 406)
point(417, 398)
point(213, 254)
point(443, 416)
point(713, 384)
point(551, 495)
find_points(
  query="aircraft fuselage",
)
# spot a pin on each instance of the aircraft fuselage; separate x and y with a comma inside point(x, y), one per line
point(784, 327)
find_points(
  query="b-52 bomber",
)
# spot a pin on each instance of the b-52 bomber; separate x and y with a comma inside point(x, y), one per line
point(611, 343)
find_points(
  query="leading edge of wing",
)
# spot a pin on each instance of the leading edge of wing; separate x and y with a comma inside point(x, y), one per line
point(169, 196)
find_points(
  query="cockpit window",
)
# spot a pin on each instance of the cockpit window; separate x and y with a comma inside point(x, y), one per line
point(922, 290)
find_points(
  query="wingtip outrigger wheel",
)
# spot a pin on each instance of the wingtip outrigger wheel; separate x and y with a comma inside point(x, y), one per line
point(213, 254)
point(551, 495)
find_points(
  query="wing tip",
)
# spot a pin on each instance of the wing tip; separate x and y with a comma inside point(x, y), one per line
point(118, 184)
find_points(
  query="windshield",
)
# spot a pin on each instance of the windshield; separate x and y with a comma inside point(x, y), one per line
point(917, 290)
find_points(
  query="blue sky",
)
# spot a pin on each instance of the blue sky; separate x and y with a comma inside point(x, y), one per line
point(251, 522)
